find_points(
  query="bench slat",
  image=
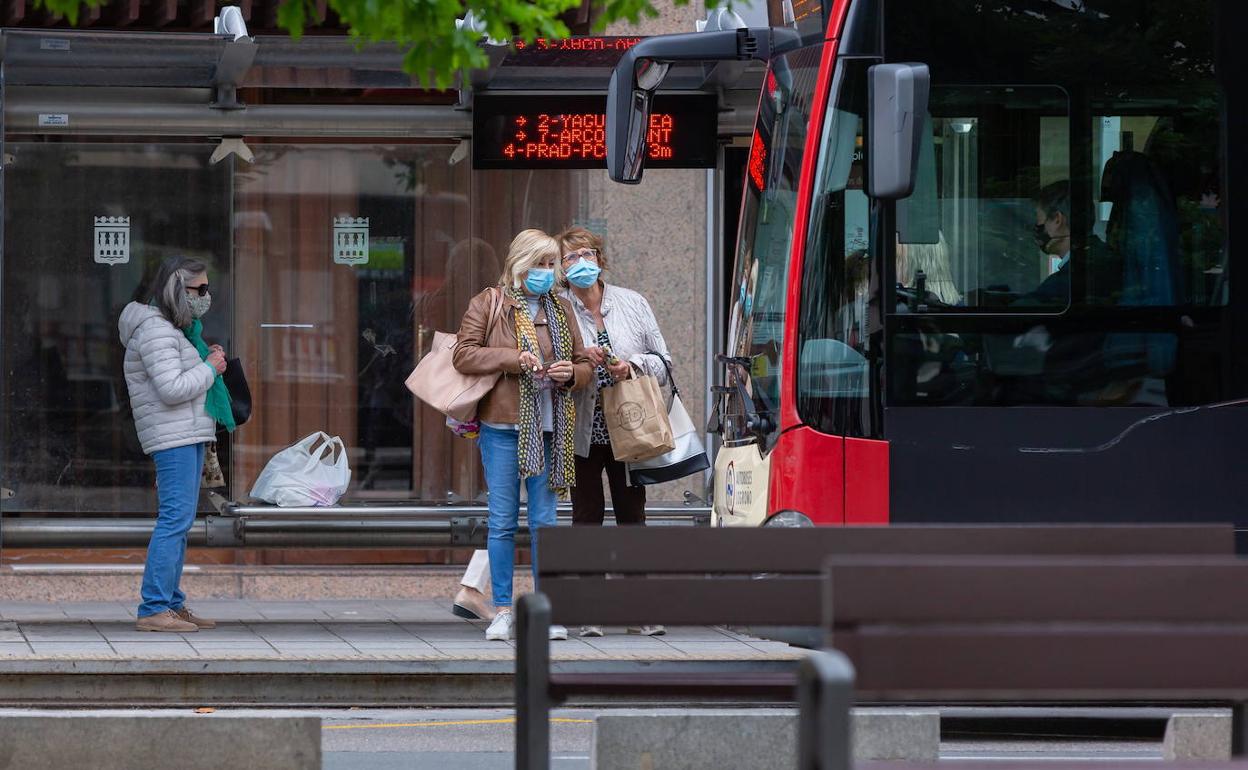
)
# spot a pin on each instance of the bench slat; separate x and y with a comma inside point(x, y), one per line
point(625, 550)
point(964, 589)
point(1048, 764)
point(1043, 662)
point(790, 601)
point(780, 686)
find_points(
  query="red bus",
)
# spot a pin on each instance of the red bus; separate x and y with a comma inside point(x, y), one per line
point(982, 272)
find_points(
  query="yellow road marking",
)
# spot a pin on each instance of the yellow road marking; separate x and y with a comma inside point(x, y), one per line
point(459, 723)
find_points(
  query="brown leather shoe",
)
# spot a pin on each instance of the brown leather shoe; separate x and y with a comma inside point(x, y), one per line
point(166, 621)
point(190, 617)
point(471, 604)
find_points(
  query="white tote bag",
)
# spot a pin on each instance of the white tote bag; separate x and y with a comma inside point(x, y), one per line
point(685, 459)
point(689, 456)
point(305, 473)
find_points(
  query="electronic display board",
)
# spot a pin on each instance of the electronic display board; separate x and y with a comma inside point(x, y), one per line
point(558, 131)
point(589, 51)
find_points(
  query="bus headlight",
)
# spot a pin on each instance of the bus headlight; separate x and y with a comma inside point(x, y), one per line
point(789, 519)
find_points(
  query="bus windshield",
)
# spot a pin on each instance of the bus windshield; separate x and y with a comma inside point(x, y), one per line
point(756, 321)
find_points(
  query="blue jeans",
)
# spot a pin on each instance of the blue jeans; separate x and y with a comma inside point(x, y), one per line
point(500, 456)
point(178, 474)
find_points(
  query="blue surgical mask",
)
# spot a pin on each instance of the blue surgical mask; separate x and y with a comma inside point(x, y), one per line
point(539, 280)
point(583, 274)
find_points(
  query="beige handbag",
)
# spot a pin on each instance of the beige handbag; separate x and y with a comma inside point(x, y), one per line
point(636, 417)
point(437, 382)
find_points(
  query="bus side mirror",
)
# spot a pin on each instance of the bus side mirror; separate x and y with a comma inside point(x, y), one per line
point(641, 70)
point(628, 114)
point(898, 95)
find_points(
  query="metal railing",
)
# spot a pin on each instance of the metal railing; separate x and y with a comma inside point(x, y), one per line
point(344, 526)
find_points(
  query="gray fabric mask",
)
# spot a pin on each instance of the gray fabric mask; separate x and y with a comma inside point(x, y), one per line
point(199, 305)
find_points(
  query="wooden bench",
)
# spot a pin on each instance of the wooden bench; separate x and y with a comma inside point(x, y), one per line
point(1028, 629)
point(745, 576)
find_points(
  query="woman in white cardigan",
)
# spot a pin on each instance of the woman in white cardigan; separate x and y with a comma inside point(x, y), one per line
point(622, 337)
point(175, 391)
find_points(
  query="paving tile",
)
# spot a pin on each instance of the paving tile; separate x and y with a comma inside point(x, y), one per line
point(774, 647)
point(205, 641)
point(61, 632)
point(160, 649)
point(303, 632)
point(478, 641)
point(400, 650)
point(99, 610)
point(32, 611)
point(445, 631)
point(378, 627)
point(715, 647)
point(314, 648)
point(393, 644)
point(236, 652)
point(697, 635)
point(643, 643)
point(290, 611)
point(221, 610)
point(231, 632)
point(9, 632)
point(94, 649)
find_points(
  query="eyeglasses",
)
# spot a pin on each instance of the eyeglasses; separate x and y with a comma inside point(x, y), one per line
point(583, 253)
point(200, 290)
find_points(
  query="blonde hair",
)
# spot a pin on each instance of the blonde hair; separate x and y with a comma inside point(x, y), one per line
point(580, 238)
point(527, 249)
point(933, 260)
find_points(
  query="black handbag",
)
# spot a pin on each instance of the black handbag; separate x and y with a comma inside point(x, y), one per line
point(240, 392)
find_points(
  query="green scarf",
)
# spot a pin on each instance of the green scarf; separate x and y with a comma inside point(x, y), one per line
point(217, 401)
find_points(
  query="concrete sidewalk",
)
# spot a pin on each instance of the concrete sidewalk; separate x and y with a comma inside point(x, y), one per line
point(340, 630)
point(412, 653)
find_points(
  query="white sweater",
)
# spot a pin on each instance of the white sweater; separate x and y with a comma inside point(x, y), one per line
point(167, 381)
point(635, 338)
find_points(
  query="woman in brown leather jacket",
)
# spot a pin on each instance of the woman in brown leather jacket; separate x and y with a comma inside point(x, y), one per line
point(528, 419)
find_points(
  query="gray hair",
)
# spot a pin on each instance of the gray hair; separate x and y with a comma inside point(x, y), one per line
point(168, 289)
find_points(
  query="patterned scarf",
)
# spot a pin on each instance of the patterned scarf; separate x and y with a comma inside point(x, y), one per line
point(532, 457)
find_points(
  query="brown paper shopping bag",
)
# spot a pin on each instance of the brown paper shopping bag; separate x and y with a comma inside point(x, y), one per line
point(637, 420)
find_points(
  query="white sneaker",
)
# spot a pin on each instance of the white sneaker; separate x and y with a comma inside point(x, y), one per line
point(648, 630)
point(589, 632)
point(558, 633)
point(500, 627)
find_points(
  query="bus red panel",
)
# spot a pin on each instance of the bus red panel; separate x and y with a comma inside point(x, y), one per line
point(866, 481)
point(808, 476)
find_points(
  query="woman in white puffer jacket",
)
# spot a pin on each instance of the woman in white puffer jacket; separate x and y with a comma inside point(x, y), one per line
point(169, 381)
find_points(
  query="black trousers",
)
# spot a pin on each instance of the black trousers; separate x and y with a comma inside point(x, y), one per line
point(588, 502)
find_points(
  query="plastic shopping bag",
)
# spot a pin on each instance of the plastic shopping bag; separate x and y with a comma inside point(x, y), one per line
point(305, 473)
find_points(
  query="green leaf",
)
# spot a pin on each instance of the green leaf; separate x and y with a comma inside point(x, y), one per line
point(435, 52)
point(70, 9)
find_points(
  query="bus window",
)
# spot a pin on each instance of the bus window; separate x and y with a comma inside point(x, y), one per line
point(834, 342)
point(757, 318)
point(970, 231)
point(1069, 224)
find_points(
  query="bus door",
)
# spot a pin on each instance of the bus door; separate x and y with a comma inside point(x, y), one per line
point(1057, 290)
point(750, 410)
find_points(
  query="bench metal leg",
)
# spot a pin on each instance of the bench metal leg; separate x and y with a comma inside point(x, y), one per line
point(532, 682)
point(825, 696)
point(1239, 729)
